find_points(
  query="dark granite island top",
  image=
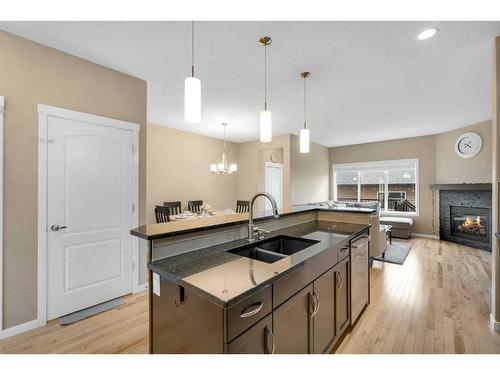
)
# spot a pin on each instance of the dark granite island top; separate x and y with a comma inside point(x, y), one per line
point(225, 278)
point(163, 230)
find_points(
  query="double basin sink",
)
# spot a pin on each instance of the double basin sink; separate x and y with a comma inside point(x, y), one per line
point(273, 249)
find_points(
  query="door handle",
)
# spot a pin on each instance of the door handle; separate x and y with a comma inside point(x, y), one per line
point(316, 303)
point(341, 282)
point(273, 345)
point(56, 227)
point(312, 304)
point(256, 308)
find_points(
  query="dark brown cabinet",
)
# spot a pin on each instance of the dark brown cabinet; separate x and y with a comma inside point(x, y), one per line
point(324, 330)
point(305, 311)
point(292, 324)
point(183, 322)
point(257, 340)
point(342, 297)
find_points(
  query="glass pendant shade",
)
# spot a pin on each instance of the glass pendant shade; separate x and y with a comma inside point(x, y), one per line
point(192, 100)
point(265, 126)
point(304, 141)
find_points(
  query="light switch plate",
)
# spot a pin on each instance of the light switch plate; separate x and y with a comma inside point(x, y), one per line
point(156, 284)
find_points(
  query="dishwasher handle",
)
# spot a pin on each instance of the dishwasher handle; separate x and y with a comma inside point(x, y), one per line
point(361, 242)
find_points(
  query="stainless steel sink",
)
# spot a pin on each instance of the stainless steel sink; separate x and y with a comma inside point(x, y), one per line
point(274, 249)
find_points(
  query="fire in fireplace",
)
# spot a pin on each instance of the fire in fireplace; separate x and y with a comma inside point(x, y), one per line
point(470, 223)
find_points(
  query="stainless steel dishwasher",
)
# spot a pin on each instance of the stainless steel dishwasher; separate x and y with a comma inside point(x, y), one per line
point(359, 275)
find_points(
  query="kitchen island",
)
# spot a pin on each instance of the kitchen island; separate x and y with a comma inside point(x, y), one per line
point(210, 293)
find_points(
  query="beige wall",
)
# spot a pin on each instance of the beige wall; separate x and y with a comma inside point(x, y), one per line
point(309, 173)
point(178, 169)
point(438, 163)
point(251, 166)
point(422, 148)
point(450, 168)
point(30, 74)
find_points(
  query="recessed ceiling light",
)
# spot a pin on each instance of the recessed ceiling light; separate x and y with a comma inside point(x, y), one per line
point(428, 33)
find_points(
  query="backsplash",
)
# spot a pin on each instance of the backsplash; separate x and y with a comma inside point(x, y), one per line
point(180, 244)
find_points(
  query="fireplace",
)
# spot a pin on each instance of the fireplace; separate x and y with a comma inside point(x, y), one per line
point(465, 217)
point(471, 223)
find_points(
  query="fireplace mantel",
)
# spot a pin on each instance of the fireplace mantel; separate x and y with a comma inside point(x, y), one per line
point(462, 187)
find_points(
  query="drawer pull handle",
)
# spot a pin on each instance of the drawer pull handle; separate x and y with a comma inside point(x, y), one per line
point(344, 249)
point(251, 310)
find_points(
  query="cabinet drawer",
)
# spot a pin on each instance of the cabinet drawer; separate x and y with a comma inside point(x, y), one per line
point(247, 312)
point(288, 285)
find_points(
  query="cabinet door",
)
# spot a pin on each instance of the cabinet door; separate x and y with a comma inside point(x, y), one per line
point(324, 318)
point(182, 322)
point(292, 324)
point(342, 302)
point(257, 340)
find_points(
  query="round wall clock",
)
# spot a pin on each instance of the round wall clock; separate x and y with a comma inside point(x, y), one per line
point(468, 145)
point(273, 157)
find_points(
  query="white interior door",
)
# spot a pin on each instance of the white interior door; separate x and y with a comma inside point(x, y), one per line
point(90, 197)
point(274, 183)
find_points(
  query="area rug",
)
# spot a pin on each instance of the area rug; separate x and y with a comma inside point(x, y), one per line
point(90, 311)
point(396, 252)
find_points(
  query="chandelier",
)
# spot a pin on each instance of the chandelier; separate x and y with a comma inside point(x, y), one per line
point(222, 167)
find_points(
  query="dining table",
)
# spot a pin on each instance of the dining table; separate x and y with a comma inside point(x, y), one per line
point(200, 216)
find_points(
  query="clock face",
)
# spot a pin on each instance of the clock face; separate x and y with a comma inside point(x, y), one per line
point(468, 145)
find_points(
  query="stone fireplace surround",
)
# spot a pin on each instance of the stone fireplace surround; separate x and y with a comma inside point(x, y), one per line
point(463, 195)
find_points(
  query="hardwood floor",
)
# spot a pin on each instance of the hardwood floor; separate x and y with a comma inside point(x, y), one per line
point(437, 302)
point(121, 330)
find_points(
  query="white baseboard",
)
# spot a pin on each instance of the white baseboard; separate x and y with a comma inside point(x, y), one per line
point(423, 235)
point(140, 288)
point(16, 330)
point(494, 324)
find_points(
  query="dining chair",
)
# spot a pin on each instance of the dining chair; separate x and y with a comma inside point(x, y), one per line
point(195, 206)
point(242, 206)
point(174, 207)
point(162, 214)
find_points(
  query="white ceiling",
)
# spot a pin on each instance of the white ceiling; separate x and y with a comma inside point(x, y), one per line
point(369, 81)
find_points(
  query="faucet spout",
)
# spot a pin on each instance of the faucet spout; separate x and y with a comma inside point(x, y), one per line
point(251, 227)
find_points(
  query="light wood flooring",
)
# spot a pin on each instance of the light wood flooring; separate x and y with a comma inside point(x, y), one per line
point(437, 302)
point(121, 330)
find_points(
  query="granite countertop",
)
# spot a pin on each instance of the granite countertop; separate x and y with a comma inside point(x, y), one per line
point(225, 279)
point(162, 230)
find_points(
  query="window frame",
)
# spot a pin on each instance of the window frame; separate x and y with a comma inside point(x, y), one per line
point(358, 167)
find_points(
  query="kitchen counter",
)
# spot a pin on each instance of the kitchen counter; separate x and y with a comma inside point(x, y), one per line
point(225, 279)
point(163, 230)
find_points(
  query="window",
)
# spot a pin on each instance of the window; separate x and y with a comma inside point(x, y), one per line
point(393, 183)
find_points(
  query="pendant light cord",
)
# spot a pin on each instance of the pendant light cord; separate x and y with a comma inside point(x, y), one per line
point(305, 103)
point(265, 77)
point(192, 48)
point(224, 126)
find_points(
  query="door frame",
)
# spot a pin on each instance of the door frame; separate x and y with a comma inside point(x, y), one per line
point(44, 112)
point(280, 167)
point(2, 109)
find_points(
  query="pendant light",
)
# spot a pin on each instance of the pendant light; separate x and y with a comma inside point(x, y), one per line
point(265, 115)
point(304, 132)
point(192, 91)
point(222, 167)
